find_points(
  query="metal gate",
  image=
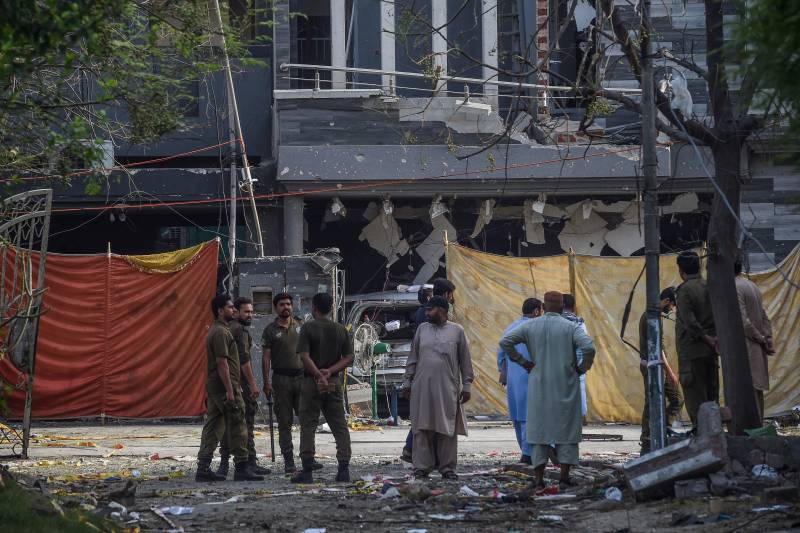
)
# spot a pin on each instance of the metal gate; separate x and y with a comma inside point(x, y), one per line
point(24, 230)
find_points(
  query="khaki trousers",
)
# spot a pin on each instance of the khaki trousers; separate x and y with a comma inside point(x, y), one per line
point(222, 420)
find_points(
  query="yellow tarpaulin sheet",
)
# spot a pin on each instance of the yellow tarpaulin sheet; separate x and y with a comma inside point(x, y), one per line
point(165, 263)
point(490, 290)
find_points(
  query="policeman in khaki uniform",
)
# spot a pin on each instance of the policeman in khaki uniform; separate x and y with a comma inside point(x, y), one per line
point(240, 330)
point(696, 337)
point(326, 350)
point(225, 404)
point(279, 342)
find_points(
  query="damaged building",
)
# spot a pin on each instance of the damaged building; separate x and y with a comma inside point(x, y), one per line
point(383, 163)
point(372, 134)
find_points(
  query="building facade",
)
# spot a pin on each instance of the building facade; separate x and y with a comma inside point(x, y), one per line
point(361, 139)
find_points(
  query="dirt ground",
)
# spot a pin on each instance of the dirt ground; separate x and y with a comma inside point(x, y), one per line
point(91, 465)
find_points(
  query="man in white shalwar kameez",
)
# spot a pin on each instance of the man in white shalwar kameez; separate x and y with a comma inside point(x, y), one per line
point(438, 380)
point(554, 394)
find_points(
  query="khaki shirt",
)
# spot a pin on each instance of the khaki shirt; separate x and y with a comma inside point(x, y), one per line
point(241, 334)
point(282, 343)
point(325, 341)
point(221, 344)
point(693, 320)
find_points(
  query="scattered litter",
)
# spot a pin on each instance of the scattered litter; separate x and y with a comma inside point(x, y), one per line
point(781, 507)
point(689, 519)
point(447, 517)
point(154, 457)
point(134, 516)
point(324, 429)
point(315, 530)
point(119, 508)
point(176, 510)
point(368, 478)
point(765, 472)
point(118, 446)
point(392, 492)
point(493, 453)
point(551, 497)
point(417, 531)
point(136, 473)
point(234, 499)
point(550, 518)
point(766, 431)
point(468, 492)
point(614, 494)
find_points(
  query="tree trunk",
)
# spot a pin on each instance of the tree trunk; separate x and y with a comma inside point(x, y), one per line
point(723, 249)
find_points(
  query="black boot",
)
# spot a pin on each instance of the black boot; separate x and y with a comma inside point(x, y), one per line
point(288, 464)
point(315, 465)
point(525, 459)
point(343, 475)
point(306, 474)
point(224, 466)
point(242, 472)
point(256, 469)
point(205, 474)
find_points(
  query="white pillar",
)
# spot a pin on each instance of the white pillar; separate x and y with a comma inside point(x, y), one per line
point(439, 40)
point(338, 43)
point(489, 48)
point(387, 43)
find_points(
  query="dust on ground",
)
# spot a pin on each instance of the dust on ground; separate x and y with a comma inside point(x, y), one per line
point(147, 466)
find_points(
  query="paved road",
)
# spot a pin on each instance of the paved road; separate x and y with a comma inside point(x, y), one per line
point(184, 439)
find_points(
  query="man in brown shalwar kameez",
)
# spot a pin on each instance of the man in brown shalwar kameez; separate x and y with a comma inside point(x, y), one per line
point(757, 332)
point(438, 380)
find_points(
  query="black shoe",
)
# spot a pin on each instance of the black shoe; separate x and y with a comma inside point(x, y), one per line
point(450, 476)
point(224, 466)
point(525, 459)
point(258, 470)
point(343, 475)
point(242, 472)
point(288, 464)
point(421, 475)
point(303, 476)
point(406, 455)
point(316, 465)
point(205, 474)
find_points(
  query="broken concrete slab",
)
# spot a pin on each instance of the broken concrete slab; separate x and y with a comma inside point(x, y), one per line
point(721, 484)
point(740, 449)
point(691, 488)
point(654, 474)
point(780, 494)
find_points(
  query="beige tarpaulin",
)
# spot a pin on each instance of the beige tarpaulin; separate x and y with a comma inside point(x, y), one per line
point(490, 290)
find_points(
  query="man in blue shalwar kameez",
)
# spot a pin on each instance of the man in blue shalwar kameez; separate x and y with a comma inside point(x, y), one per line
point(515, 378)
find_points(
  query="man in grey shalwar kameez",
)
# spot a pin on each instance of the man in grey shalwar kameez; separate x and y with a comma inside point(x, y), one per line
point(554, 394)
point(438, 380)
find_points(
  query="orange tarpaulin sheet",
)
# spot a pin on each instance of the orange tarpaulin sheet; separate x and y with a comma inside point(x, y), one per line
point(120, 342)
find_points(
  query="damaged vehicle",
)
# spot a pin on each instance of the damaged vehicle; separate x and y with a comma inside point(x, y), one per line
point(383, 325)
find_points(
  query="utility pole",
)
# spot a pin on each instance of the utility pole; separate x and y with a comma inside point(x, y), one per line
point(233, 112)
point(233, 194)
point(652, 238)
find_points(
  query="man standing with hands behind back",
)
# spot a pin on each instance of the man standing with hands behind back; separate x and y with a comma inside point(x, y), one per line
point(695, 338)
point(326, 350)
point(279, 342)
